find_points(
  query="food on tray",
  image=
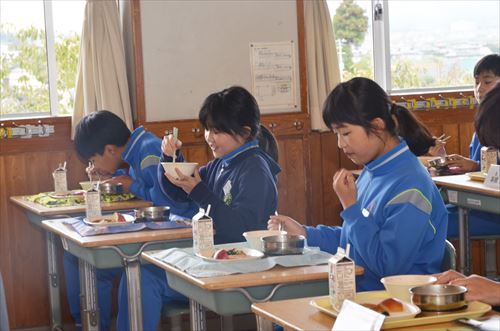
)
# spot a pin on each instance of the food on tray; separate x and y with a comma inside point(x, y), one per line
point(386, 307)
point(229, 254)
point(112, 218)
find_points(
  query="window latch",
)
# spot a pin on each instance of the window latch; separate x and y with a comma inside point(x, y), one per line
point(378, 12)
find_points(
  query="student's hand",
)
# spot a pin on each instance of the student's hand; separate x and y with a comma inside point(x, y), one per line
point(168, 147)
point(125, 180)
point(438, 149)
point(187, 183)
point(288, 224)
point(448, 276)
point(461, 162)
point(344, 185)
point(480, 289)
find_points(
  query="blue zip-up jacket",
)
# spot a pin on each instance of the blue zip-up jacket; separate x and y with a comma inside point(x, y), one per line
point(142, 153)
point(475, 150)
point(240, 187)
point(398, 224)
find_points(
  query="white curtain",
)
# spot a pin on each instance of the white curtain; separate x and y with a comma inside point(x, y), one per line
point(102, 76)
point(323, 72)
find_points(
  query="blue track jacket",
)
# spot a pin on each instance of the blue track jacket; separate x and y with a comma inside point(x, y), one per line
point(240, 187)
point(397, 226)
point(142, 153)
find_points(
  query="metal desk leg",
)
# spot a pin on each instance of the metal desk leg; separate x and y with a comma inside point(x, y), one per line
point(263, 324)
point(464, 241)
point(133, 272)
point(54, 299)
point(198, 319)
point(89, 305)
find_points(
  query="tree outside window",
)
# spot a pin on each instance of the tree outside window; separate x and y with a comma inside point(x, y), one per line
point(25, 55)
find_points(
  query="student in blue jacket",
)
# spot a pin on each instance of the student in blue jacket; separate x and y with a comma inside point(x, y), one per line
point(394, 218)
point(486, 75)
point(104, 139)
point(239, 184)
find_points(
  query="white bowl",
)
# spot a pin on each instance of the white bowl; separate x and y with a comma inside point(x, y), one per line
point(399, 286)
point(253, 237)
point(187, 168)
point(86, 185)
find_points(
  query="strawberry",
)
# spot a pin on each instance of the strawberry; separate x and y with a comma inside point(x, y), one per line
point(221, 254)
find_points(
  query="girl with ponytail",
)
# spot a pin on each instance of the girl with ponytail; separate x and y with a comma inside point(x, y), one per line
point(394, 218)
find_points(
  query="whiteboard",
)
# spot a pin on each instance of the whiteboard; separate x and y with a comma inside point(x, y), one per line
point(194, 48)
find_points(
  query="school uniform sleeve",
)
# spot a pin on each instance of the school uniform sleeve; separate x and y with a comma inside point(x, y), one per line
point(475, 150)
point(389, 247)
point(327, 238)
point(253, 199)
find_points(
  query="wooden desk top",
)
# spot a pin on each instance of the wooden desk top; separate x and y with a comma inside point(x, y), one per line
point(145, 235)
point(78, 209)
point(298, 314)
point(275, 275)
point(463, 182)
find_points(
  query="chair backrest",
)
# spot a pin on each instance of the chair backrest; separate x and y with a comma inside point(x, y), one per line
point(449, 258)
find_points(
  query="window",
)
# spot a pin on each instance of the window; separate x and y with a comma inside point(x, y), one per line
point(420, 45)
point(39, 49)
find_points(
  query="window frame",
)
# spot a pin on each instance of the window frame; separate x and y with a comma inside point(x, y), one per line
point(382, 58)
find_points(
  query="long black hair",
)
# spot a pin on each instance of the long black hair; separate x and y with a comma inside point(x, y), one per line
point(233, 111)
point(360, 100)
point(487, 119)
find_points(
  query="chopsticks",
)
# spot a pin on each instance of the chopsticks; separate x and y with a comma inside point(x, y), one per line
point(443, 138)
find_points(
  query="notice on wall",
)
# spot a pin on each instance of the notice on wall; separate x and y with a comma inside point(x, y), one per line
point(273, 74)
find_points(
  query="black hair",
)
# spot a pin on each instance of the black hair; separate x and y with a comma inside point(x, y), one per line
point(97, 130)
point(360, 100)
point(233, 111)
point(488, 63)
point(487, 118)
point(268, 142)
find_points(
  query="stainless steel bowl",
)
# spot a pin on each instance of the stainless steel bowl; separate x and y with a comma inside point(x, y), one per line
point(111, 188)
point(438, 162)
point(152, 214)
point(283, 244)
point(437, 298)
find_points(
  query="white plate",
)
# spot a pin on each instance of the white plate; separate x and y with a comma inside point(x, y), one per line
point(128, 219)
point(251, 254)
point(374, 297)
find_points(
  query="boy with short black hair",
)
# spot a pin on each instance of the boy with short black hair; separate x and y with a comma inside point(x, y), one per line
point(103, 139)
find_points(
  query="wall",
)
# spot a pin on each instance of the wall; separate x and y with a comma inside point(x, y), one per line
point(203, 47)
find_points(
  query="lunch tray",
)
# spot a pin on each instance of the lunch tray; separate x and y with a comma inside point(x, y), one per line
point(474, 309)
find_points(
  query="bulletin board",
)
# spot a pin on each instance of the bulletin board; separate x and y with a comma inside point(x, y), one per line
point(193, 48)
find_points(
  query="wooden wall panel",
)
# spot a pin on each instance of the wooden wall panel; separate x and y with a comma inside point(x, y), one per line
point(26, 167)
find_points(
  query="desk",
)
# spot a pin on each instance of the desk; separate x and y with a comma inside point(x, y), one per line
point(298, 315)
point(234, 294)
point(36, 213)
point(113, 250)
point(467, 194)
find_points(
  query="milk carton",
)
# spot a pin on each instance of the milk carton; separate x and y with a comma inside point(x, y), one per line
point(203, 233)
point(341, 278)
point(60, 179)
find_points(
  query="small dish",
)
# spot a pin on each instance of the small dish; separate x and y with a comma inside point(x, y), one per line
point(477, 176)
point(105, 220)
point(250, 254)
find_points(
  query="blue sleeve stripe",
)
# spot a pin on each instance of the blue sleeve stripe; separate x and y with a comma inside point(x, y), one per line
point(150, 160)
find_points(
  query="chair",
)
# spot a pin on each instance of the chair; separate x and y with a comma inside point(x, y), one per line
point(4, 317)
point(450, 257)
